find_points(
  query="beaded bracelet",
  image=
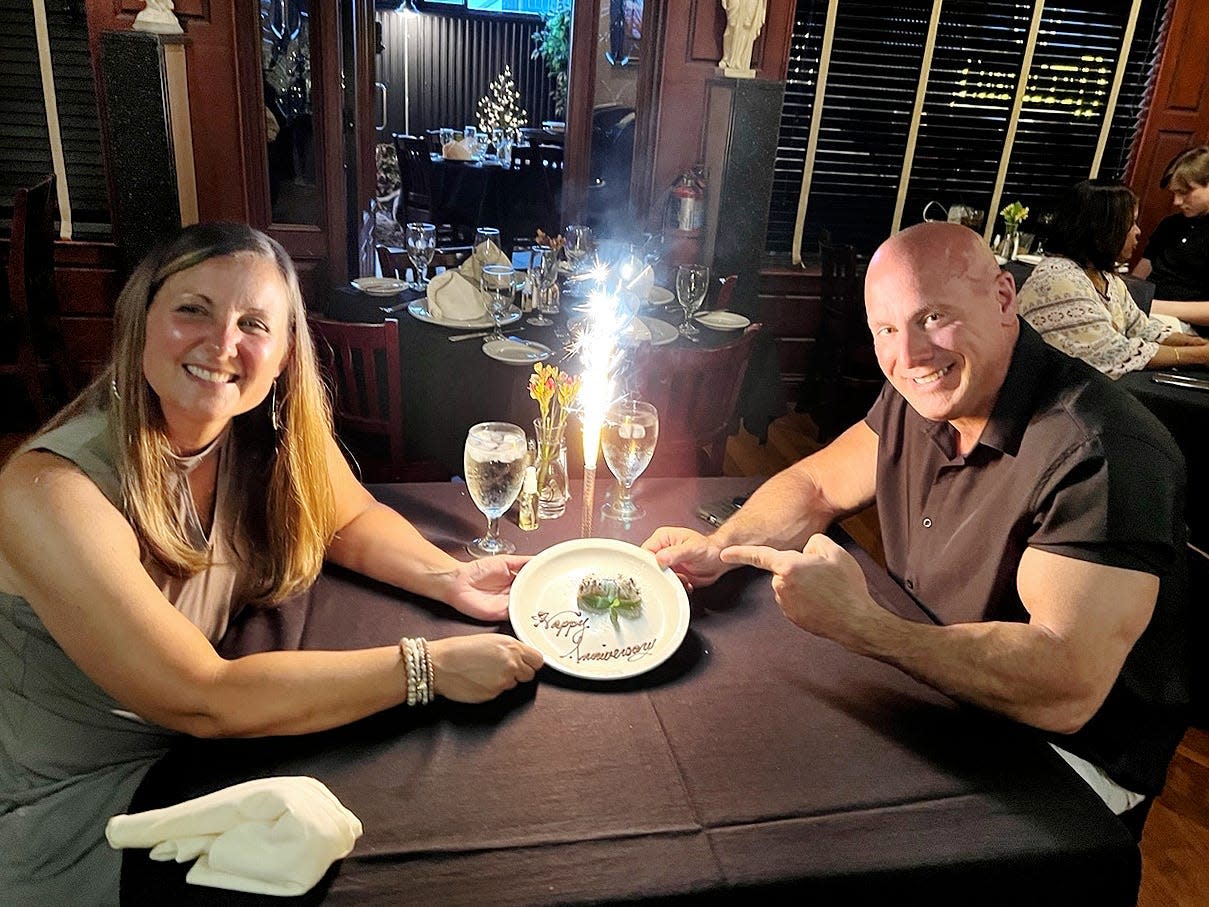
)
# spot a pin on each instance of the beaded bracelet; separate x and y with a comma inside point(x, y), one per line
point(418, 665)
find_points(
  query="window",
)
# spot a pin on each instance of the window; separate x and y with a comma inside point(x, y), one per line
point(876, 58)
point(25, 152)
point(530, 7)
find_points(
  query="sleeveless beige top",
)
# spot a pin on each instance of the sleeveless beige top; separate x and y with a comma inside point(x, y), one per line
point(70, 755)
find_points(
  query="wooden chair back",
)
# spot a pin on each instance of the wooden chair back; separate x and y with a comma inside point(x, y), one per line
point(394, 262)
point(726, 290)
point(35, 333)
point(363, 365)
point(415, 178)
point(696, 392)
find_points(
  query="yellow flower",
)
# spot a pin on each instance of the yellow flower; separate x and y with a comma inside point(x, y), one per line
point(1014, 213)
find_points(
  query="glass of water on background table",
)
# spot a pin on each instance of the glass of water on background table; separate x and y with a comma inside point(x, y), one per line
point(421, 242)
point(494, 463)
point(692, 282)
point(498, 284)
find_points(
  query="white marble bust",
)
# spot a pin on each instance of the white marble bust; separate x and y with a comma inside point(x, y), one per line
point(157, 17)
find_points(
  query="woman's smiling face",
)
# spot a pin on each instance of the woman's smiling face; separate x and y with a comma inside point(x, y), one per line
point(217, 336)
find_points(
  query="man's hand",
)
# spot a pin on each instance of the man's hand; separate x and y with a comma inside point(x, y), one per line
point(480, 588)
point(692, 556)
point(821, 588)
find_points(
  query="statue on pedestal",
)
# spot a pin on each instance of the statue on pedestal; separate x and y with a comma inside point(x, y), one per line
point(157, 17)
point(744, 19)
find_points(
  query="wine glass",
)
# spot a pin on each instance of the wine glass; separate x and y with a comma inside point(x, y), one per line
point(485, 238)
point(498, 283)
point(577, 241)
point(628, 436)
point(543, 272)
point(692, 281)
point(421, 242)
point(494, 462)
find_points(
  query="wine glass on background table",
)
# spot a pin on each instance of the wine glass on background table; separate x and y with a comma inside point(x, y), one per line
point(628, 436)
point(494, 462)
point(498, 284)
point(481, 250)
point(692, 282)
point(543, 272)
point(577, 243)
point(421, 242)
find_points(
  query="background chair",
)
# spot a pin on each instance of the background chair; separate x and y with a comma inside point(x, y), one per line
point(362, 364)
point(31, 335)
point(848, 378)
point(696, 391)
point(394, 261)
point(536, 191)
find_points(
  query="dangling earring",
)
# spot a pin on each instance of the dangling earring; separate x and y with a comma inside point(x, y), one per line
point(113, 388)
point(274, 418)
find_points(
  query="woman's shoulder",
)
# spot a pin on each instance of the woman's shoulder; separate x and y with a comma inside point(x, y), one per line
point(85, 441)
point(1052, 276)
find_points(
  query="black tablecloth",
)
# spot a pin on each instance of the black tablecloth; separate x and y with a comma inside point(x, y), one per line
point(758, 761)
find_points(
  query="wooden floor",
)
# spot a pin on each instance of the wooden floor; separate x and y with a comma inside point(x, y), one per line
point(1175, 844)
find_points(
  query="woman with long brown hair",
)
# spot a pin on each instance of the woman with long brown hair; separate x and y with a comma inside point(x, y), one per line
point(197, 475)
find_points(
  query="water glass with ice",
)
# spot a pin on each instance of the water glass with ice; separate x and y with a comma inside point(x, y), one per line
point(494, 462)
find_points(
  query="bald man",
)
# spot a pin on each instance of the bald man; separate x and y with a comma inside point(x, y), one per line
point(1033, 508)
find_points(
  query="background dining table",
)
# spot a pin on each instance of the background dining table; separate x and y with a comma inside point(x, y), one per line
point(450, 386)
point(758, 761)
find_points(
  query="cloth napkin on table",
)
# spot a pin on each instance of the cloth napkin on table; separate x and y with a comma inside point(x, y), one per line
point(453, 297)
point(640, 284)
point(274, 836)
point(457, 151)
point(485, 253)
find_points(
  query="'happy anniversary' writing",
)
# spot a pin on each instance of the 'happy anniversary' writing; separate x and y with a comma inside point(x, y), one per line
point(571, 624)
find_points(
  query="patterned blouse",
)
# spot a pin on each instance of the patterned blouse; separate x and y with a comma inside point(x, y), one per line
point(1113, 334)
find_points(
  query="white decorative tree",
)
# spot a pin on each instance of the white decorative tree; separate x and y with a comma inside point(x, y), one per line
point(500, 107)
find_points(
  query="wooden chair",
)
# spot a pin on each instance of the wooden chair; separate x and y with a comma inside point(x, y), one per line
point(726, 289)
point(696, 392)
point(537, 190)
point(362, 363)
point(35, 351)
point(415, 178)
point(848, 378)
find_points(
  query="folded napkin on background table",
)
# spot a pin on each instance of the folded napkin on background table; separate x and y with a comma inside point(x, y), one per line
point(640, 284)
point(455, 298)
point(457, 151)
point(485, 253)
point(275, 836)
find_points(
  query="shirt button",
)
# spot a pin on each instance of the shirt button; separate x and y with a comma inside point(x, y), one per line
point(927, 522)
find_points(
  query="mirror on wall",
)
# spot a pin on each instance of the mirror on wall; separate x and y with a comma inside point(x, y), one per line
point(285, 30)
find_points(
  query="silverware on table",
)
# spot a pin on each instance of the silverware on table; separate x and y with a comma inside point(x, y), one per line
point(454, 338)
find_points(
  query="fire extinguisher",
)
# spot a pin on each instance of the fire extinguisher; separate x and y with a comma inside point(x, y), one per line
point(684, 217)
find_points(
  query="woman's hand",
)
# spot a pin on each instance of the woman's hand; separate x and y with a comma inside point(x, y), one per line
point(480, 588)
point(480, 667)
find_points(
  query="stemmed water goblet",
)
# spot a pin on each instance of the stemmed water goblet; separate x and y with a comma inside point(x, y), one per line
point(692, 282)
point(421, 242)
point(498, 284)
point(577, 242)
point(484, 239)
point(494, 463)
point(628, 436)
point(543, 273)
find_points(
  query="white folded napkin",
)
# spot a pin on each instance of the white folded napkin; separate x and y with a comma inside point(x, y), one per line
point(274, 836)
point(452, 297)
point(485, 253)
point(457, 151)
point(640, 284)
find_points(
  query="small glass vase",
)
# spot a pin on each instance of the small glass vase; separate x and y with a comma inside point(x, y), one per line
point(1009, 246)
point(552, 486)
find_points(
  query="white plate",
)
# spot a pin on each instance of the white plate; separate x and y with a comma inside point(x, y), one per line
point(722, 320)
point(1029, 259)
point(379, 286)
point(641, 330)
point(516, 352)
point(660, 296)
point(418, 309)
point(543, 610)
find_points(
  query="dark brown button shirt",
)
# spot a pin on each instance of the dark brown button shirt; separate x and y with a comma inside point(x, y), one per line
point(1069, 463)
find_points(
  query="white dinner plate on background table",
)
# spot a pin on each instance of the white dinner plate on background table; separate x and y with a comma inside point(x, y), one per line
point(418, 309)
point(722, 320)
point(379, 286)
point(1029, 259)
point(544, 612)
point(660, 296)
point(516, 352)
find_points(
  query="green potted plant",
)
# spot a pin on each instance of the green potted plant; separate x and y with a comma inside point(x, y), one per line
point(553, 46)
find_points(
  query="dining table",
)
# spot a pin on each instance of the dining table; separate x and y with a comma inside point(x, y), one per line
point(451, 384)
point(469, 193)
point(755, 761)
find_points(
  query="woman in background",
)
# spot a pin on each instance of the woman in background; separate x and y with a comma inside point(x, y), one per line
point(197, 475)
point(1077, 302)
